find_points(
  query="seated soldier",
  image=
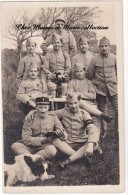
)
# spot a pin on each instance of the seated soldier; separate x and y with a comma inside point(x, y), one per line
point(57, 61)
point(82, 133)
point(85, 90)
point(30, 89)
point(82, 86)
point(35, 133)
point(75, 121)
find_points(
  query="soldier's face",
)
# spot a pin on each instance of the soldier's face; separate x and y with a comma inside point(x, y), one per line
point(83, 46)
point(31, 48)
point(104, 48)
point(80, 74)
point(33, 73)
point(42, 110)
point(73, 106)
point(57, 45)
point(59, 25)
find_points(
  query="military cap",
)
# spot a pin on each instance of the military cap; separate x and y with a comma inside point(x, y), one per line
point(42, 101)
point(33, 65)
point(78, 66)
point(55, 37)
point(60, 18)
point(72, 97)
point(30, 41)
point(104, 40)
point(83, 39)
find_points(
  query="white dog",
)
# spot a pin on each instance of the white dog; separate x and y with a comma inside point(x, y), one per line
point(26, 168)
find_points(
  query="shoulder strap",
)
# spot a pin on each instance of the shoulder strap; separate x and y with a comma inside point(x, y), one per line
point(41, 59)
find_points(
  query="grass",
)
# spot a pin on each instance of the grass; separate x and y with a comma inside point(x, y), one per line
point(104, 170)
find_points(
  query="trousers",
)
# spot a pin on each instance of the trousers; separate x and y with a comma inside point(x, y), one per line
point(102, 105)
point(46, 151)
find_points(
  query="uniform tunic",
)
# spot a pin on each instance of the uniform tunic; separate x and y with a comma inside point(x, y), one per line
point(34, 130)
point(68, 43)
point(102, 70)
point(57, 60)
point(84, 87)
point(74, 125)
point(31, 88)
point(24, 64)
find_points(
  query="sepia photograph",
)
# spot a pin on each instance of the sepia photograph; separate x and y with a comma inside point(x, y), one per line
point(62, 97)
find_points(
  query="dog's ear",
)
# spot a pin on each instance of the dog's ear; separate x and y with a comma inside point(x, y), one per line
point(39, 161)
point(36, 170)
point(49, 165)
point(48, 162)
point(28, 160)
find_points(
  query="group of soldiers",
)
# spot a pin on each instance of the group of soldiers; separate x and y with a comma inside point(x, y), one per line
point(75, 129)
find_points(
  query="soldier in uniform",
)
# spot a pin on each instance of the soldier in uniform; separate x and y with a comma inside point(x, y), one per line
point(25, 62)
point(83, 88)
point(102, 70)
point(57, 60)
point(30, 89)
point(81, 85)
point(83, 56)
point(76, 123)
point(82, 133)
point(35, 139)
point(68, 39)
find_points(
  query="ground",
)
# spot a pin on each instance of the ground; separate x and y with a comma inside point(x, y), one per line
point(103, 170)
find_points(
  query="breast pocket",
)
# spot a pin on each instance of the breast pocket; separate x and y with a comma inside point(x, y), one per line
point(35, 132)
point(99, 68)
point(65, 40)
point(65, 44)
point(52, 65)
point(46, 128)
point(96, 82)
point(110, 68)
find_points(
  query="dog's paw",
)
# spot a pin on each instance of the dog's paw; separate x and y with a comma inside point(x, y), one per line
point(44, 177)
point(51, 176)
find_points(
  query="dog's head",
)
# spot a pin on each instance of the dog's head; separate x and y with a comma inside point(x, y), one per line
point(27, 168)
point(37, 164)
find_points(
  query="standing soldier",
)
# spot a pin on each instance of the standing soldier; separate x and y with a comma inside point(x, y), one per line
point(57, 60)
point(25, 62)
point(83, 56)
point(68, 39)
point(103, 71)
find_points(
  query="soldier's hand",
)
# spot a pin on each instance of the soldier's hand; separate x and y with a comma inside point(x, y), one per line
point(48, 75)
point(89, 149)
point(79, 94)
point(59, 132)
point(30, 116)
point(32, 103)
point(44, 140)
